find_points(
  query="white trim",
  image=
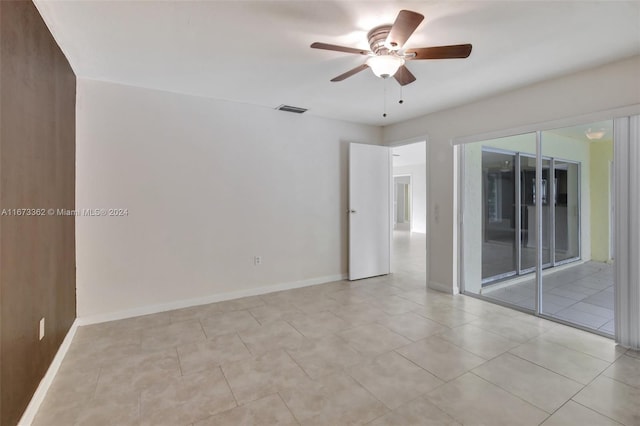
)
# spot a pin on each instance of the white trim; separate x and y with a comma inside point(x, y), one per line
point(220, 297)
point(41, 392)
point(627, 250)
point(549, 125)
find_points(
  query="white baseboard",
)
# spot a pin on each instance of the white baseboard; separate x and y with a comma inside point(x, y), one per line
point(444, 288)
point(40, 393)
point(221, 297)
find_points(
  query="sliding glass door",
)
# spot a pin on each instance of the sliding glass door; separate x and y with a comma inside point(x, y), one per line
point(499, 227)
point(580, 293)
point(517, 218)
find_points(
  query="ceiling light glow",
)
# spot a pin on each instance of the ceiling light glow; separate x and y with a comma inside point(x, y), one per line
point(594, 134)
point(385, 66)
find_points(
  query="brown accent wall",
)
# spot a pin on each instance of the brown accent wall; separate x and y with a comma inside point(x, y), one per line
point(37, 170)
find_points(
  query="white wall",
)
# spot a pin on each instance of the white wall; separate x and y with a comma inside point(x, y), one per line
point(608, 87)
point(208, 185)
point(418, 189)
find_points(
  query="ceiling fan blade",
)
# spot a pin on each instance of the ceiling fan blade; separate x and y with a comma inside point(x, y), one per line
point(440, 52)
point(336, 48)
point(351, 72)
point(404, 76)
point(406, 23)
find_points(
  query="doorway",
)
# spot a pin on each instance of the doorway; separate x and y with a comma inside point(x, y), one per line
point(409, 209)
point(402, 202)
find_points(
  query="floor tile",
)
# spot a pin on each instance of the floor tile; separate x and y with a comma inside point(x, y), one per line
point(186, 399)
point(166, 336)
point(603, 299)
point(447, 316)
point(138, 372)
point(419, 412)
point(359, 314)
point(322, 357)
point(163, 365)
point(556, 301)
point(473, 401)
point(351, 296)
point(393, 379)
point(613, 399)
point(373, 339)
point(575, 316)
point(71, 385)
point(582, 341)
point(575, 365)
point(332, 400)
point(228, 322)
point(626, 369)
point(208, 354)
point(534, 384)
point(121, 409)
point(271, 336)
point(593, 310)
point(59, 412)
point(317, 304)
point(570, 292)
point(478, 341)
point(440, 358)
point(267, 411)
point(194, 312)
point(516, 329)
point(91, 352)
point(270, 313)
point(263, 375)
point(412, 326)
point(574, 414)
point(394, 305)
point(317, 325)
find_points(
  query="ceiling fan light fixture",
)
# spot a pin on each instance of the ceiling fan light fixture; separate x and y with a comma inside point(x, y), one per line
point(594, 134)
point(385, 66)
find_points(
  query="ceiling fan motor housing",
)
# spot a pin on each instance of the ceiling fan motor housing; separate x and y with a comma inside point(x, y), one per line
point(377, 38)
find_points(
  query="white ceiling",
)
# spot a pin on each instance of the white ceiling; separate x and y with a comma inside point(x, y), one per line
point(257, 52)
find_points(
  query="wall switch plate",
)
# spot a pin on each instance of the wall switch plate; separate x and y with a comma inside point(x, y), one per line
point(257, 260)
point(41, 329)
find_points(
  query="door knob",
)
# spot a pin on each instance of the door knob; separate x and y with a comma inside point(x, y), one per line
point(352, 211)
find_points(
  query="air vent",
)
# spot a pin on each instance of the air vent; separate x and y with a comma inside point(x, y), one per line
point(289, 108)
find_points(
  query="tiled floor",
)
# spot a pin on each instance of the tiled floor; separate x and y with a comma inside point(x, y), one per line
point(581, 294)
point(381, 351)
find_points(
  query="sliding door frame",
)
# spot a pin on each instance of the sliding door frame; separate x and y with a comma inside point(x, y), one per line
point(617, 204)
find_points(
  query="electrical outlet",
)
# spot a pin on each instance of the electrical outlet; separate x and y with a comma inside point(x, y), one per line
point(41, 329)
point(257, 260)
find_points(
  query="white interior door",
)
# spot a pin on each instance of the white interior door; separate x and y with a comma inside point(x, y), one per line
point(369, 211)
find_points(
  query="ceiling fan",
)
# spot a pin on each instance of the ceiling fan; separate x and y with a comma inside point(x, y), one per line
point(386, 57)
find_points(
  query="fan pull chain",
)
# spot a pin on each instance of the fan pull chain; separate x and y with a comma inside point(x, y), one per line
point(384, 105)
point(401, 101)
